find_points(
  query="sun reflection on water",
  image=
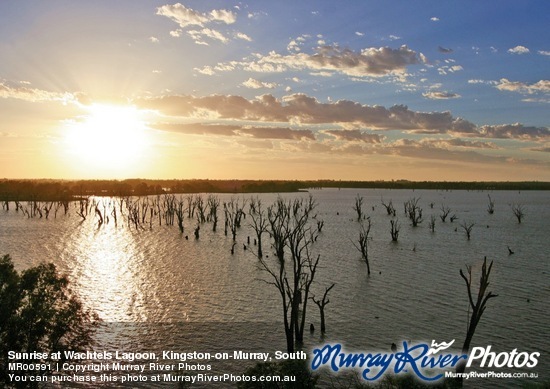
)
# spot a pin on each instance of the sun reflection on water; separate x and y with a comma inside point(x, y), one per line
point(106, 271)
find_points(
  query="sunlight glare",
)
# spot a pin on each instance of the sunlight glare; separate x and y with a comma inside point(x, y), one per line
point(109, 136)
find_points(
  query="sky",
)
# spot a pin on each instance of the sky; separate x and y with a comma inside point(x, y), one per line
point(344, 90)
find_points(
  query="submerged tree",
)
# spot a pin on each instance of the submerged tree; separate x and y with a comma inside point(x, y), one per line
point(363, 246)
point(358, 207)
point(294, 269)
point(233, 211)
point(478, 306)
point(213, 204)
point(39, 313)
point(413, 211)
point(467, 227)
point(390, 210)
point(431, 225)
point(395, 226)
point(518, 211)
point(322, 304)
point(491, 206)
point(259, 222)
point(444, 213)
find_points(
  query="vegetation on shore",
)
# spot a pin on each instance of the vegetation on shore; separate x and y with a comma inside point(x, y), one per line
point(58, 190)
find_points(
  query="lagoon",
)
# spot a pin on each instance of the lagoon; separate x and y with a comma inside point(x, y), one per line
point(157, 290)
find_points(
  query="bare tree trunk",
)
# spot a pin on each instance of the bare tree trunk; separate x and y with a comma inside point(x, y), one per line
point(478, 307)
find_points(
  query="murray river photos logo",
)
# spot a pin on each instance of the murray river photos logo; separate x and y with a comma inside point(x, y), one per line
point(427, 362)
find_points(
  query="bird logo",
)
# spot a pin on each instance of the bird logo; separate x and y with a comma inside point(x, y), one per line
point(438, 347)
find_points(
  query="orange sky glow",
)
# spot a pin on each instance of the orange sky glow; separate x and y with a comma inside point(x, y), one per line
point(238, 91)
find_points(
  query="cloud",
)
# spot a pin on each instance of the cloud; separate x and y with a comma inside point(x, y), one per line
point(355, 136)
point(543, 52)
point(222, 15)
point(438, 95)
point(154, 39)
point(281, 133)
point(519, 50)
point(434, 19)
point(304, 109)
point(256, 84)
point(370, 62)
point(186, 17)
point(444, 50)
point(198, 35)
point(485, 82)
point(514, 131)
point(182, 15)
point(457, 142)
point(300, 108)
point(443, 70)
point(541, 149)
point(33, 94)
point(542, 86)
point(243, 36)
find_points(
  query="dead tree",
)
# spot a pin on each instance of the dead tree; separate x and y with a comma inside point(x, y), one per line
point(322, 304)
point(390, 210)
point(100, 217)
point(233, 214)
point(191, 204)
point(358, 207)
point(259, 222)
point(83, 208)
point(467, 227)
point(394, 229)
point(201, 209)
point(431, 225)
point(518, 211)
point(113, 213)
point(491, 206)
point(213, 204)
point(363, 246)
point(179, 210)
point(170, 207)
point(413, 211)
point(292, 274)
point(320, 225)
point(478, 306)
point(47, 208)
point(444, 213)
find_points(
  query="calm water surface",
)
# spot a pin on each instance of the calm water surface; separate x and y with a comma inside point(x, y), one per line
point(193, 294)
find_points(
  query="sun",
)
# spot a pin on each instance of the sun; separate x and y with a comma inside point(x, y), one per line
point(108, 137)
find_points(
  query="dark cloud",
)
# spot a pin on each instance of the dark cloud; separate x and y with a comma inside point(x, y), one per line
point(355, 136)
point(235, 130)
point(303, 109)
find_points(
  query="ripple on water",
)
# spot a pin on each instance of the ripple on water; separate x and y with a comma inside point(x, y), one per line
point(160, 279)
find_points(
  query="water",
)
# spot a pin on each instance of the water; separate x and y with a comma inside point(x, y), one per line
point(194, 294)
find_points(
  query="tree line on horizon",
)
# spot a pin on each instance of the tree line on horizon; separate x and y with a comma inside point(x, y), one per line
point(59, 190)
